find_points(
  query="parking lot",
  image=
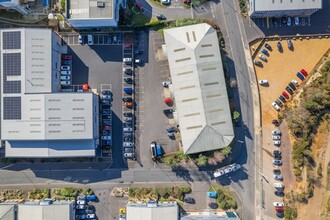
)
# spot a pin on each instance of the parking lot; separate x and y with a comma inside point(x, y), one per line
point(281, 22)
point(280, 69)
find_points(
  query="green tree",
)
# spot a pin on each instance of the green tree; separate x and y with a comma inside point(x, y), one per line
point(201, 160)
point(236, 116)
point(226, 151)
point(168, 160)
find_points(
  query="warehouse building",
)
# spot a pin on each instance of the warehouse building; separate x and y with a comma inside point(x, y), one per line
point(199, 88)
point(94, 13)
point(37, 119)
point(283, 8)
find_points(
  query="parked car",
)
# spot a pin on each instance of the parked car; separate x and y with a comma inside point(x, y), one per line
point(106, 142)
point(257, 62)
point(66, 62)
point(109, 97)
point(277, 162)
point(278, 102)
point(127, 99)
point(284, 20)
point(289, 21)
point(128, 46)
point(128, 114)
point(168, 111)
point(276, 107)
point(128, 104)
point(128, 144)
point(292, 86)
point(65, 77)
point(166, 2)
point(300, 76)
point(106, 92)
point(161, 17)
point(171, 134)
point(275, 122)
point(128, 139)
point(262, 57)
point(127, 129)
point(290, 45)
point(65, 67)
point(90, 216)
point(81, 217)
point(277, 142)
point(277, 172)
point(128, 152)
point(65, 83)
point(106, 137)
point(264, 51)
point(128, 71)
point(268, 46)
point(127, 60)
point(171, 129)
point(279, 46)
point(106, 122)
point(65, 72)
point(278, 204)
point(81, 206)
point(289, 90)
point(81, 202)
point(263, 82)
point(90, 40)
point(128, 119)
point(189, 200)
point(277, 152)
point(213, 205)
point(276, 132)
point(276, 137)
point(80, 39)
point(166, 83)
point(128, 90)
point(66, 57)
point(286, 95)
point(278, 177)
point(106, 112)
point(128, 80)
point(295, 82)
point(296, 21)
point(304, 72)
point(282, 98)
point(106, 101)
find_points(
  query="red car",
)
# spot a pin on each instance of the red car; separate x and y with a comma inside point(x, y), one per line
point(66, 57)
point(127, 45)
point(279, 209)
point(304, 72)
point(168, 101)
point(285, 95)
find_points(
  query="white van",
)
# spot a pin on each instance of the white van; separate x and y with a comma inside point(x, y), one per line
point(90, 39)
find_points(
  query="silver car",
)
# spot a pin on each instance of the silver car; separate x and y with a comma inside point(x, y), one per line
point(276, 137)
point(276, 132)
point(278, 177)
point(262, 57)
point(277, 142)
point(277, 162)
point(128, 144)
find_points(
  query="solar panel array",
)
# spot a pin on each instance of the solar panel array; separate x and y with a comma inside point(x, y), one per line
point(11, 40)
point(11, 67)
point(12, 108)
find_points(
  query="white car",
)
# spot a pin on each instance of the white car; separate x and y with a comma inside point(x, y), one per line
point(276, 107)
point(263, 82)
point(296, 21)
point(276, 137)
point(277, 142)
point(127, 60)
point(90, 39)
point(128, 144)
point(90, 216)
point(80, 41)
point(66, 72)
point(262, 57)
point(65, 68)
point(81, 202)
point(289, 21)
point(295, 82)
point(106, 137)
point(65, 77)
point(276, 132)
point(127, 129)
point(278, 177)
point(166, 2)
point(278, 204)
point(166, 83)
point(65, 83)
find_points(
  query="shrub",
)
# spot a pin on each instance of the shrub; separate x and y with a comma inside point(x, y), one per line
point(226, 151)
point(290, 213)
point(185, 189)
point(162, 192)
point(319, 170)
point(201, 160)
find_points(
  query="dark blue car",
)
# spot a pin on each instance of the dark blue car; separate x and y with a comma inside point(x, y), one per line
point(128, 90)
point(300, 76)
point(265, 51)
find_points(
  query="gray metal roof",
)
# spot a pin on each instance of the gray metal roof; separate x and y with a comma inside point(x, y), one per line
point(274, 5)
point(199, 88)
point(56, 211)
point(145, 211)
point(82, 9)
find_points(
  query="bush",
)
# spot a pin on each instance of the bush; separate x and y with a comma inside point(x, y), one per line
point(185, 189)
point(201, 160)
point(290, 213)
point(319, 170)
point(162, 192)
point(226, 151)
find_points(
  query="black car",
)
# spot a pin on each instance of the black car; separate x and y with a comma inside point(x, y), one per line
point(289, 90)
point(277, 157)
point(128, 114)
point(66, 62)
point(275, 122)
point(128, 124)
point(127, 99)
point(277, 172)
point(106, 112)
point(279, 194)
point(128, 80)
point(189, 200)
point(168, 111)
point(257, 62)
point(127, 134)
point(161, 17)
point(279, 46)
point(171, 129)
point(277, 152)
point(106, 142)
point(293, 87)
point(128, 139)
point(106, 132)
point(106, 92)
point(213, 205)
point(284, 20)
point(282, 98)
point(268, 46)
point(290, 45)
point(278, 102)
point(106, 116)
point(106, 122)
point(128, 71)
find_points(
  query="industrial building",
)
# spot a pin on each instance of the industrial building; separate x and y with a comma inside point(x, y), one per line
point(209, 215)
point(37, 119)
point(283, 8)
point(94, 13)
point(199, 88)
point(152, 210)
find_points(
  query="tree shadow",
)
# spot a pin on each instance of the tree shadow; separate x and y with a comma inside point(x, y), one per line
point(182, 172)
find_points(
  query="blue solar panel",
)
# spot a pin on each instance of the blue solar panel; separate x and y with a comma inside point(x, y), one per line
point(12, 108)
point(11, 40)
point(11, 67)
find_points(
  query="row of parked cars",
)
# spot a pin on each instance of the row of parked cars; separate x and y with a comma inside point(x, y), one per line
point(128, 103)
point(289, 89)
point(66, 68)
point(114, 38)
point(83, 209)
point(106, 119)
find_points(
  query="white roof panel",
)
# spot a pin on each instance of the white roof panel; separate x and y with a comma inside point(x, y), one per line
point(274, 5)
